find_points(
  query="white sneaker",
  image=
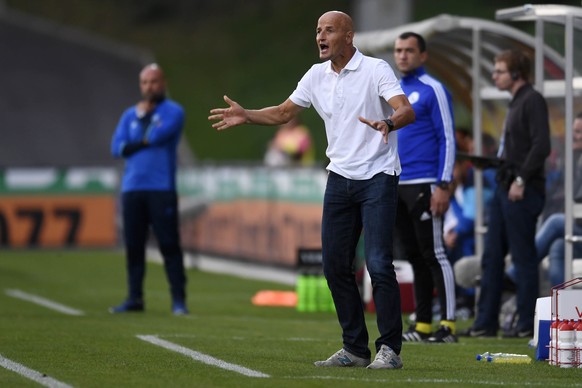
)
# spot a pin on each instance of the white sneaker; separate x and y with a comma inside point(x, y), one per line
point(386, 359)
point(344, 358)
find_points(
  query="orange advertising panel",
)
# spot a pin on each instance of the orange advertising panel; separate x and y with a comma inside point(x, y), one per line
point(259, 230)
point(57, 221)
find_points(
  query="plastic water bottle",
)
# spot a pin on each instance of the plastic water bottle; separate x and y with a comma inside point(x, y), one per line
point(323, 294)
point(301, 290)
point(553, 341)
point(578, 343)
point(566, 355)
point(311, 297)
point(508, 358)
point(329, 298)
point(312, 293)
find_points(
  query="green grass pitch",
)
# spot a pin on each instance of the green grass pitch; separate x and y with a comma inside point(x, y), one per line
point(224, 330)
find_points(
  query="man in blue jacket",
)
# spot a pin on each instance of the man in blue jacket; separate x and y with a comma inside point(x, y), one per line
point(147, 137)
point(427, 154)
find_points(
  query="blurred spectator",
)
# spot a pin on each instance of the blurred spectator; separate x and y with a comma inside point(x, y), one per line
point(464, 140)
point(459, 229)
point(459, 232)
point(459, 222)
point(555, 173)
point(291, 146)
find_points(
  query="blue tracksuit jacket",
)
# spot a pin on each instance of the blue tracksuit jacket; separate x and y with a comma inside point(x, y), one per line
point(154, 167)
point(427, 146)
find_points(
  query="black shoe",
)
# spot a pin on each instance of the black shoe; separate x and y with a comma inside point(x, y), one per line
point(443, 335)
point(414, 336)
point(129, 306)
point(478, 333)
point(515, 333)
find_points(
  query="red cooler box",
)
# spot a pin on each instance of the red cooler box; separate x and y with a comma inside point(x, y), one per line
point(405, 278)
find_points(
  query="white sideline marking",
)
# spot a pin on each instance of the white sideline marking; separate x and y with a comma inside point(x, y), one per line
point(44, 302)
point(31, 374)
point(393, 380)
point(204, 358)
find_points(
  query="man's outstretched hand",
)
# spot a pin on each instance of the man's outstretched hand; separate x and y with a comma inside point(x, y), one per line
point(227, 117)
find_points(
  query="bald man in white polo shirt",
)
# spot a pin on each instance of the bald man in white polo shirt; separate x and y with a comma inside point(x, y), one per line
point(361, 103)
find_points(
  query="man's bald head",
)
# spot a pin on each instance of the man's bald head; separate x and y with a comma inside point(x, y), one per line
point(335, 35)
point(340, 19)
point(152, 68)
point(152, 83)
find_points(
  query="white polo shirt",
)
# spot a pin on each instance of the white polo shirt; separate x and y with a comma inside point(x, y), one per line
point(362, 88)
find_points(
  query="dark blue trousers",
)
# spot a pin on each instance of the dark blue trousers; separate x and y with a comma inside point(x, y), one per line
point(511, 229)
point(158, 209)
point(348, 206)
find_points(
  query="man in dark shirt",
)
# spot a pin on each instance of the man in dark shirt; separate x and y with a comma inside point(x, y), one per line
point(518, 200)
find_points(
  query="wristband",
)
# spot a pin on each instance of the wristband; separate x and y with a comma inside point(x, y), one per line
point(444, 185)
point(390, 124)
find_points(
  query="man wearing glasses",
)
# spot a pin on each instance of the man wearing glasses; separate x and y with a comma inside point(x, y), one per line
point(518, 199)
